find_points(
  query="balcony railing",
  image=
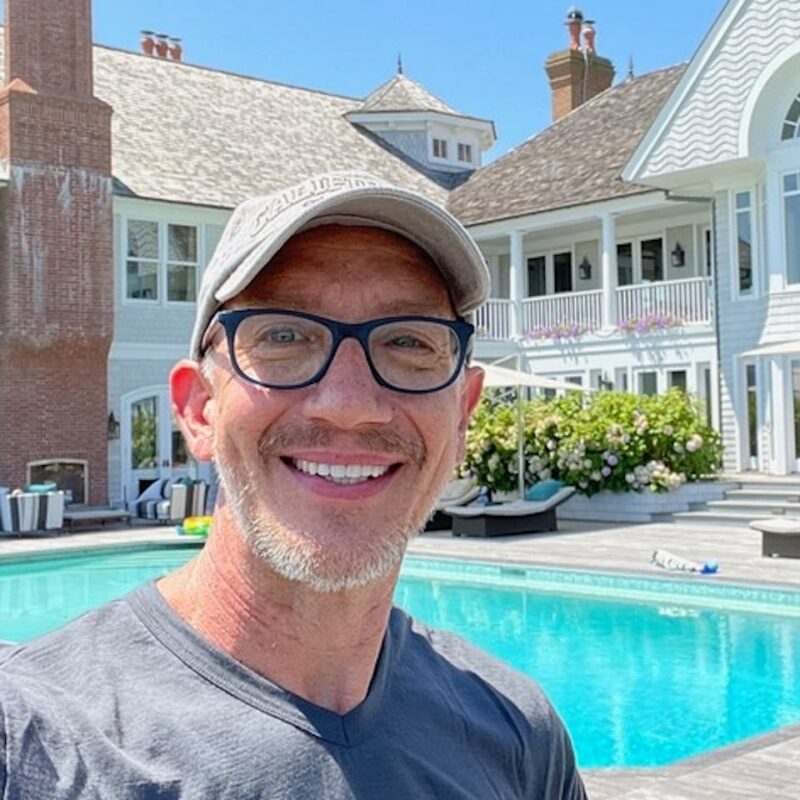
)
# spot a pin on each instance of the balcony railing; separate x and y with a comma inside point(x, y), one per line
point(672, 303)
point(495, 319)
point(583, 310)
point(684, 302)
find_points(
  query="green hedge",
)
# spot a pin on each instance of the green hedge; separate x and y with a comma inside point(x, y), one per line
point(604, 440)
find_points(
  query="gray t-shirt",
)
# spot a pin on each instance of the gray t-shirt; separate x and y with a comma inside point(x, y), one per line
point(130, 702)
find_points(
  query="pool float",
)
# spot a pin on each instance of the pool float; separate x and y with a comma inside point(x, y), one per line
point(670, 561)
point(195, 526)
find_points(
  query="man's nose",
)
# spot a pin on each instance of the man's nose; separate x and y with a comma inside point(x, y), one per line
point(348, 394)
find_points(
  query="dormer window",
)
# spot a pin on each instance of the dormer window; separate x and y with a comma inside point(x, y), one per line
point(791, 125)
point(439, 148)
point(465, 152)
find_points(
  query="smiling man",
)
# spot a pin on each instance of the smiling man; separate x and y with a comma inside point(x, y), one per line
point(329, 382)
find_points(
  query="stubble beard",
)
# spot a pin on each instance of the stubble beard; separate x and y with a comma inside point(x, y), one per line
point(299, 555)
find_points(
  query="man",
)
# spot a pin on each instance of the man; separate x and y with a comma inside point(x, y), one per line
point(328, 381)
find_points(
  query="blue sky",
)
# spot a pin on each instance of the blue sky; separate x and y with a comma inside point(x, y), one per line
point(484, 59)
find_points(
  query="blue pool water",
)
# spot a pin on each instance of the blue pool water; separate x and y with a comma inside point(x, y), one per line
point(644, 672)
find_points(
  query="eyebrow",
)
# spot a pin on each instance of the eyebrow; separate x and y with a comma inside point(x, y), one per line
point(396, 308)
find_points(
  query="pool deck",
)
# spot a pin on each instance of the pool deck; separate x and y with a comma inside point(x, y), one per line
point(764, 768)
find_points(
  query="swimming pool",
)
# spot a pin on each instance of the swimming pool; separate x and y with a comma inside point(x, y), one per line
point(643, 671)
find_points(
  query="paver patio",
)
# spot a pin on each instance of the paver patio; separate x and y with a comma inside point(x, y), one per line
point(765, 768)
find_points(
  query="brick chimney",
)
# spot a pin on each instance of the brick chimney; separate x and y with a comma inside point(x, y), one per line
point(56, 275)
point(578, 73)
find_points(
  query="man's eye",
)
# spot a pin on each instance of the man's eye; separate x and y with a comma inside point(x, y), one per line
point(283, 336)
point(407, 341)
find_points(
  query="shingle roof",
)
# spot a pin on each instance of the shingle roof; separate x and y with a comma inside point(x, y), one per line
point(189, 134)
point(576, 160)
point(400, 93)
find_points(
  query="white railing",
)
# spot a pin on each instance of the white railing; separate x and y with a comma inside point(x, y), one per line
point(676, 302)
point(495, 319)
point(581, 311)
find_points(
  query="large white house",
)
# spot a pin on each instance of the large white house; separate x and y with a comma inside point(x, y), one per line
point(649, 238)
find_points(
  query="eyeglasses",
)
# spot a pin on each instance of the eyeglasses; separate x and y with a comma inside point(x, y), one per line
point(289, 349)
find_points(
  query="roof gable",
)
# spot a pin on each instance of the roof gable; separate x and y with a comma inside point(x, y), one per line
point(576, 160)
point(701, 123)
point(400, 93)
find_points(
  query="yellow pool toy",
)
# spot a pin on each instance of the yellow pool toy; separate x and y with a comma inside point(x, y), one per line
point(195, 526)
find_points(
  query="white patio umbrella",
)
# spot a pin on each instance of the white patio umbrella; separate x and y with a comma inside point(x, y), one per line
point(498, 377)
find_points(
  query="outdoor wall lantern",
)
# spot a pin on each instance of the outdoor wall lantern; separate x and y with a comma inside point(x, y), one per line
point(585, 269)
point(678, 256)
point(113, 426)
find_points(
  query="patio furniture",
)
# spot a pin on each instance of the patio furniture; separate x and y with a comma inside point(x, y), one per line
point(94, 517)
point(519, 516)
point(171, 502)
point(26, 512)
point(780, 536)
point(457, 492)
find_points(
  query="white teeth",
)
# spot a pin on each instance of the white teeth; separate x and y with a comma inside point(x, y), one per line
point(341, 473)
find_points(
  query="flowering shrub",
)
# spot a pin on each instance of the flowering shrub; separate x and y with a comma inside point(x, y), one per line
point(557, 331)
point(610, 440)
point(649, 322)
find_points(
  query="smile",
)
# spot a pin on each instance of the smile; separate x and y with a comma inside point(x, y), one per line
point(342, 474)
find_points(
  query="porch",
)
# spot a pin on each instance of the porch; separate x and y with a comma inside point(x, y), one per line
point(634, 309)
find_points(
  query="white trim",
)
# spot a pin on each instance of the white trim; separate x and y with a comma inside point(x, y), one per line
point(791, 347)
point(143, 351)
point(635, 168)
point(754, 95)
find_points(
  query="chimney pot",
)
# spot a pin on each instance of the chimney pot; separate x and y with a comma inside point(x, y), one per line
point(175, 49)
point(573, 23)
point(147, 43)
point(162, 48)
point(589, 34)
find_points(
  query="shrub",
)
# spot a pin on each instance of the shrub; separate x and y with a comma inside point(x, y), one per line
point(607, 440)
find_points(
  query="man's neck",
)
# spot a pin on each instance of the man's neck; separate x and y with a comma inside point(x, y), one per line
point(320, 646)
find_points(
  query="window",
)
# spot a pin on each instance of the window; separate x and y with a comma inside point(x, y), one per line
point(576, 380)
point(652, 251)
point(161, 261)
point(624, 264)
point(791, 222)
point(752, 414)
point(562, 272)
point(676, 379)
point(648, 383)
point(621, 379)
point(440, 148)
point(537, 277)
point(744, 241)
point(142, 265)
point(791, 125)
point(465, 152)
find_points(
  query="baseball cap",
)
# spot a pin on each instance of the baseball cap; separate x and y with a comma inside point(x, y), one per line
point(259, 227)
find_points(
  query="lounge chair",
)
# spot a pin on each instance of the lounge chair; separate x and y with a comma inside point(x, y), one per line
point(458, 492)
point(170, 503)
point(519, 516)
point(780, 536)
point(26, 512)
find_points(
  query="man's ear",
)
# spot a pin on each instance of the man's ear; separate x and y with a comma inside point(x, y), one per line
point(470, 396)
point(193, 406)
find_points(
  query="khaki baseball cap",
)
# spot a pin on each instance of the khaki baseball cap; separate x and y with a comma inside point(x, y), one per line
point(259, 227)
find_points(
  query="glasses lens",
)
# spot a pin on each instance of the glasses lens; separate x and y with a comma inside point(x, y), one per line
point(416, 355)
point(280, 349)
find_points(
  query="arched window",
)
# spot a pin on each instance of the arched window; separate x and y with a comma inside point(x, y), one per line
point(791, 125)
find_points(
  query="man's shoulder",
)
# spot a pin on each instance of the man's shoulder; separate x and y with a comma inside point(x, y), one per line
point(475, 671)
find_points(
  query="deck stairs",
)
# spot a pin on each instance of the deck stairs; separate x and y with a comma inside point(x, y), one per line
point(754, 498)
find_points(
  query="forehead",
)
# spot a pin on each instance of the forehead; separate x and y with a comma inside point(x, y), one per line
point(338, 265)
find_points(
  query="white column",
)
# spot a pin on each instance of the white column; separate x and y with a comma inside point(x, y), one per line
point(775, 390)
point(517, 279)
point(609, 248)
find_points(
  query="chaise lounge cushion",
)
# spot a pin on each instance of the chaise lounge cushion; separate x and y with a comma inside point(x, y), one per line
point(543, 490)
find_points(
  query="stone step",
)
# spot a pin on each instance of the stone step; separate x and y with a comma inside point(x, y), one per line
point(747, 506)
point(788, 486)
point(727, 519)
point(762, 493)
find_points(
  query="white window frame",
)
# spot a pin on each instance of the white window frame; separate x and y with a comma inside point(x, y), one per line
point(447, 146)
point(784, 250)
point(162, 284)
point(755, 251)
point(468, 150)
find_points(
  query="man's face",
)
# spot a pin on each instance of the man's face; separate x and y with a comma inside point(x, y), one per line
point(281, 453)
